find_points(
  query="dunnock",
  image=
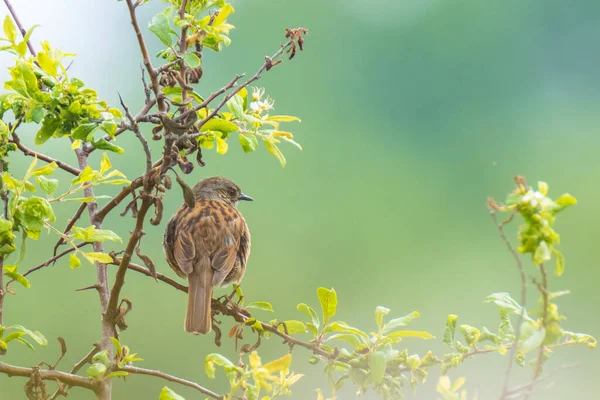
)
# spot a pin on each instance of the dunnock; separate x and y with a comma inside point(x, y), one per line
point(209, 244)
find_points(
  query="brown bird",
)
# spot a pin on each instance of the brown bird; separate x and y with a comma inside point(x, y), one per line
point(208, 244)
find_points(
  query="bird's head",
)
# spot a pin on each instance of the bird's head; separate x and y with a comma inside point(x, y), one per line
point(220, 189)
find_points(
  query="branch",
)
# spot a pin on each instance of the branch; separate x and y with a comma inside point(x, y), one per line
point(4, 196)
point(268, 62)
point(21, 29)
point(52, 260)
point(108, 207)
point(146, 57)
point(136, 129)
point(49, 375)
point(70, 225)
point(171, 378)
point(515, 255)
point(28, 152)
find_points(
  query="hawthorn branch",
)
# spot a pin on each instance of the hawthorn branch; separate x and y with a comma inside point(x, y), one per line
point(86, 359)
point(519, 263)
point(171, 378)
point(268, 62)
point(50, 375)
point(145, 55)
point(136, 129)
point(70, 225)
point(28, 152)
point(19, 25)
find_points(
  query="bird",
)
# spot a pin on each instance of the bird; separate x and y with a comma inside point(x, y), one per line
point(208, 242)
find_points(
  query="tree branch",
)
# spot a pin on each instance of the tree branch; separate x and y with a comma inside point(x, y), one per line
point(28, 152)
point(86, 359)
point(515, 255)
point(136, 129)
point(255, 77)
point(19, 25)
point(70, 225)
point(49, 375)
point(171, 378)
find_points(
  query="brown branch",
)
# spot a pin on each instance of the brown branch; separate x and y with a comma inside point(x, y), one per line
point(108, 207)
point(170, 378)
point(19, 25)
point(50, 375)
point(111, 311)
point(4, 196)
point(146, 56)
point(28, 152)
point(70, 225)
point(255, 77)
point(515, 255)
point(52, 260)
point(136, 129)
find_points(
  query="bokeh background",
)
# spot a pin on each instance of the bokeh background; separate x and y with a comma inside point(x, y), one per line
point(414, 112)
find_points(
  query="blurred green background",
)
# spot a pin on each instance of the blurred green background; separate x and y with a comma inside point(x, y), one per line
point(414, 112)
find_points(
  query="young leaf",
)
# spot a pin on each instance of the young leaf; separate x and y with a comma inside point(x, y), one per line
point(99, 257)
point(9, 29)
point(191, 60)
point(49, 186)
point(310, 313)
point(96, 371)
point(377, 365)
point(249, 142)
point(45, 170)
point(168, 394)
point(37, 336)
point(102, 357)
point(328, 300)
point(161, 28)
point(398, 322)
point(261, 305)
point(84, 130)
point(380, 312)
point(507, 304)
point(292, 327)
point(74, 261)
point(450, 330)
point(280, 365)
point(274, 150)
point(417, 334)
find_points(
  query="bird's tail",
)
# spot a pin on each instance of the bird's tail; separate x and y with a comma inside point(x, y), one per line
point(198, 319)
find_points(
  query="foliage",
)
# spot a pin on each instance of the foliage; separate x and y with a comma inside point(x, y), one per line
point(40, 91)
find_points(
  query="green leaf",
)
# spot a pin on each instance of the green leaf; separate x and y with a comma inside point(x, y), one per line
point(310, 313)
point(328, 300)
point(560, 262)
point(283, 118)
point(507, 304)
point(348, 337)
point(338, 326)
point(416, 334)
point(293, 327)
point(566, 200)
point(261, 305)
point(49, 186)
point(221, 145)
point(377, 365)
point(531, 337)
point(18, 278)
point(102, 357)
point(118, 346)
point(88, 174)
point(117, 374)
point(9, 29)
point(45, 170)
point(398, 322)
point(96, 371)
point(211, 360)
point(161, 28)
point(249, 142)
point(380, 312)
point(74, 261)
point(49, 126)
point(191, 60)
point(280, 365)
point(221, 125)
point(450, 330)
point(99, 257)
point(274, 150)
point(91, 234)
point(109, 126)
point(5, 225)
point(236, 106)
point(35, 335)
point(542, 253)
point(84, 130)
point(168, 394)
point(103, 144)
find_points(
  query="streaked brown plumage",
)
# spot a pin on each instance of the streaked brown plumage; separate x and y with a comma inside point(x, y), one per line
point(208, 244)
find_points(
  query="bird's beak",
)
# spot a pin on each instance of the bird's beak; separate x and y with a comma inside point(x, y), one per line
point(245, 197)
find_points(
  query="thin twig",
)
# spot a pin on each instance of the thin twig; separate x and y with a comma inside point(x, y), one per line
point(136, 129)
point(171, 378)
point(19, 25)
point(28, 152)
point(70, 225)
point(256, 76)
point(515, 255)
